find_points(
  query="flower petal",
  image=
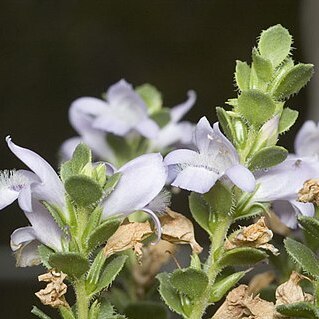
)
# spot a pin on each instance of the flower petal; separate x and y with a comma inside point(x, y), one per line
point(142, 179)
point(241, 177)
point(286, 212)
point(203, 131)
point(28, 254)
point(21, 236)
point(7, 197)
point(178, 111)
point(45, 228)
point(196, 179)
point(306, 141)
point(157, 224)
point(148, 128)
point(68, 147)
point(306, 209)
point(111, 122)
point(51, 188)
point(83, 111)
point(181, 156)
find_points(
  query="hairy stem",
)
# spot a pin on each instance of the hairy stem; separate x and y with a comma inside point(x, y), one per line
point(211, 267)
point(82, 300)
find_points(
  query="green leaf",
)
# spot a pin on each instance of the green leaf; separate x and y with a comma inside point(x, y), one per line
point(103, 232)
point(267, 157)
point(287, 119)
point(146, 310)
point(106, 310)
point(310, 225)
point(72, 264)
point(256, 107)
point(81, 156)
point(292, 81)
point(275, 44)
point(93, 222)
point(242, 75)
point(299, 310)
point(111, 183)
point(303, 256)
point(220, 199)
point(161, 117)
point(45, 253)
point(221, 287)
point(67, 313)
point(200, 210)
point(83, 190)
point(151, 96)
point(66, 170)
point(111, 270)
point(191, 282)
point(57, 214)
point(242, 256)
point(262, 66)
point(169, 294)
point(93, 275)
point(39, 313)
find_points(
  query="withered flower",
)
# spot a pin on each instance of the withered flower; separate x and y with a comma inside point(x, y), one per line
point(256, 235)
point(310, 192)
point(53, 294)
point(276, 225)
point(240, 304)
point(129, 235)
point(178, 229)
point(290, 291)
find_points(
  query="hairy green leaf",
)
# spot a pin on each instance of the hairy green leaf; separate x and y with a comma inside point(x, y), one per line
point(39, 313)
point(146, 310)
point(151, 96)
point(299, 310)
point(200, 210)
point(242, 75)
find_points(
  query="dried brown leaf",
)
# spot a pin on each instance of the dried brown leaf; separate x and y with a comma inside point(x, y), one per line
point(256, 235)
point(129, 235)
point(53, 294)
point(310, 192)
point(178, 229)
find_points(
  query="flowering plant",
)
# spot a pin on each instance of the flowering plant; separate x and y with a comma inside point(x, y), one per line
point(105, 218)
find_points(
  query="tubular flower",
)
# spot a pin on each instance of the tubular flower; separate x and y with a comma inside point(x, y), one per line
point(176, 131)
point(141, 182)
point(280, 186)
point(214, 159)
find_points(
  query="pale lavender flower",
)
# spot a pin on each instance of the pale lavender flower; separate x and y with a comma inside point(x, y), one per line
point(280, 185)
point(216, 158)
point(176, 131)
point(142, 180)
point(307, 140)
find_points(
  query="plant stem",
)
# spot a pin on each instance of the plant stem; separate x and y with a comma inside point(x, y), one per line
point(82, 299)
point(211, 268)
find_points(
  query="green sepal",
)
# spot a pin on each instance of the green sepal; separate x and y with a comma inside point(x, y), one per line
point(221, 287)
point(146, 310)
point(242, 75)
point(103, 232)
point(293, 81)
point(267, 157)
point(92, 224)
point(94, 310)
point(67, 313)
point(57, 214)
point(72, 264)
point(110, 271)
point(200, 210)
point(195, 262)
point(191, 282)
point(240, 131)
point(262, 66)
point(169, 294)
point(275, 44)
point(99, 174)
point(161, 117)
point(219, 199)
point(111, 183)
point(45, 253)
point(226, 123)
point(83, 190)
point(242, 256)
point(256, 107)
point(287, 119)
point(299, 310)
point(309, 225)
point(151, 96)
point(39, 313)
point(303, 256)
point(94, 272)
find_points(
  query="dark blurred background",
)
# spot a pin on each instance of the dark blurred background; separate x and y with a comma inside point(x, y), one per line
point(52, 52)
